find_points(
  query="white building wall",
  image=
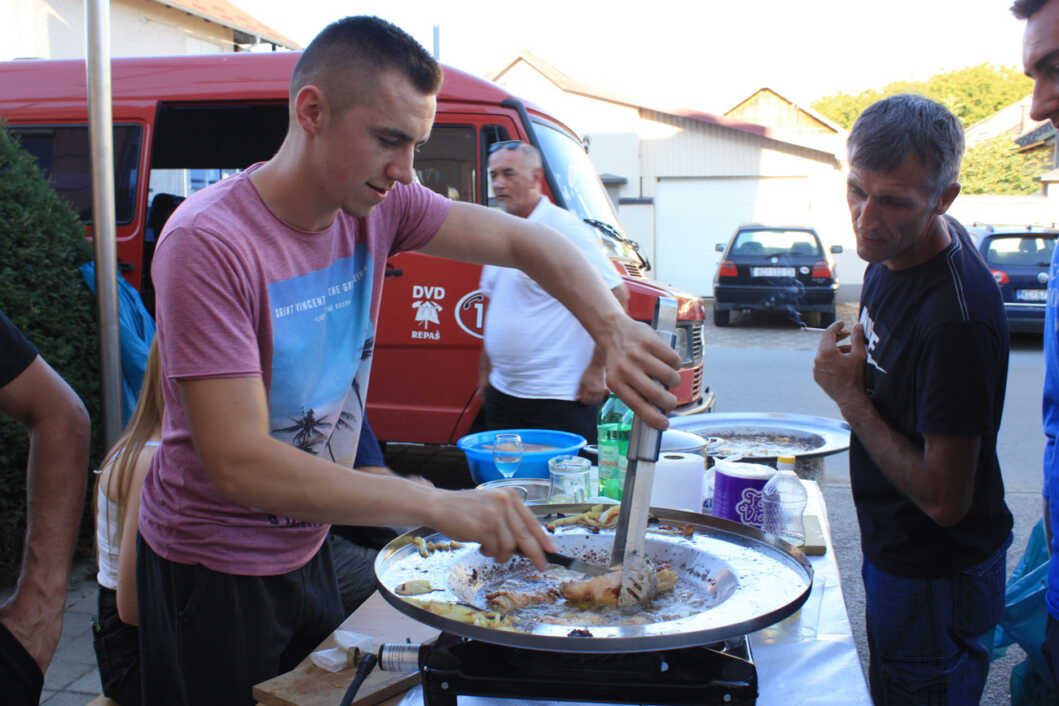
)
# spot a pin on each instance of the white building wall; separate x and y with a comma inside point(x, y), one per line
point(644, 146)
point(55, 29)
point(611, 128)
point(695, 148)
point(1007, 210)
point(617, 153)
point(639, 225)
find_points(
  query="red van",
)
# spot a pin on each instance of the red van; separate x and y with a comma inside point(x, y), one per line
point(181, 123)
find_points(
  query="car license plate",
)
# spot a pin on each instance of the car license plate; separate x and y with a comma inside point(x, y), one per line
point(771, 271)
point(1031, 295)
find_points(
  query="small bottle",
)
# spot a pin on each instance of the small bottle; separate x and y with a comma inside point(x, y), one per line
point(615, 423)
point(783, 501)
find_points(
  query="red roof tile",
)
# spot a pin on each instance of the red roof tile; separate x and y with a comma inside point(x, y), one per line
point(225, 13)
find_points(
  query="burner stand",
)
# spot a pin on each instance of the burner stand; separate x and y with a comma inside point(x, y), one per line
point(721, 673)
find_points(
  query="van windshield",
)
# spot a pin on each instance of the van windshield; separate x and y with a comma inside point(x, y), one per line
point(580, 187)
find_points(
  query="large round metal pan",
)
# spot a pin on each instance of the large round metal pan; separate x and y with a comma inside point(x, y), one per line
point(818, 436)
point(757, 579)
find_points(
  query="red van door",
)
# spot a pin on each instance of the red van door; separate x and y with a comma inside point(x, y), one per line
point(429, 336)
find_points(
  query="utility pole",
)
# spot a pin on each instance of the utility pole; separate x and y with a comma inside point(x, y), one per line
point(101, 139)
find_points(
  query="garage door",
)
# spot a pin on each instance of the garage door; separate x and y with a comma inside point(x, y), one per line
point(692, 215)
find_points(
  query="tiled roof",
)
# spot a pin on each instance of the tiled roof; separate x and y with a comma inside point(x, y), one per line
point(225, 13)
point(1040, 133)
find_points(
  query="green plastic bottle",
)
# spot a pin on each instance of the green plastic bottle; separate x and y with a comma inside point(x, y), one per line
point(615, 423)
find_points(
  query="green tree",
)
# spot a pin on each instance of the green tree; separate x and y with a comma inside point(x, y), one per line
point(971, 93)
point(995, 167)
point(42, 292)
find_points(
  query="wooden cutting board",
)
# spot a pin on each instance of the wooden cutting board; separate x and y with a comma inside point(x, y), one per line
point(815, 544)
point(308, 685)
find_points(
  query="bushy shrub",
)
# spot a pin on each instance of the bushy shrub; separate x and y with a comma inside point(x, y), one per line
point(42, 243)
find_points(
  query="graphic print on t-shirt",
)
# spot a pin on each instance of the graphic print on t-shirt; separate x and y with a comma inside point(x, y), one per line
point(871, 339)
point(322, 347)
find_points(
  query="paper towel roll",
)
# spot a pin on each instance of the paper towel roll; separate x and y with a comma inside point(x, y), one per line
point(679, 481)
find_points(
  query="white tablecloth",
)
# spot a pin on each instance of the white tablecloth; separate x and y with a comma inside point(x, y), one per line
point(808, 659)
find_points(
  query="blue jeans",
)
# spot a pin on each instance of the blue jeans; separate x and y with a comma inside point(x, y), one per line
point(924, 635)
point(1051, 648)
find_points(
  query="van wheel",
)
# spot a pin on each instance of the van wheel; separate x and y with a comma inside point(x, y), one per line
point(827, 318)
point(721, 317)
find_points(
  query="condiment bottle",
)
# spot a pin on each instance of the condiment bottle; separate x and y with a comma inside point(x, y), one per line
point(615, 424)
point(783, 501)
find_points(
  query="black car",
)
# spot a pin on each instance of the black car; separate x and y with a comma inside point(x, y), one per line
point(772, 268)
point(1019, 259)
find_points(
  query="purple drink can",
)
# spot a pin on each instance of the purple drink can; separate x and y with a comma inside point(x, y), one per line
point(737, 491)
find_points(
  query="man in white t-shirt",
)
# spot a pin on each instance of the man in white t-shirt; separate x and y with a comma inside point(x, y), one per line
point(539, 367)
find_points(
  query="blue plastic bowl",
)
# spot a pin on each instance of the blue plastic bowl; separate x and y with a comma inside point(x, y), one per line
point(534, 463)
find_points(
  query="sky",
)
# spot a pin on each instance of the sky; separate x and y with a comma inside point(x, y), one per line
point(697, 54)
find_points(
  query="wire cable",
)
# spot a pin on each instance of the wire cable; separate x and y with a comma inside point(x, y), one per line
point(367, 663)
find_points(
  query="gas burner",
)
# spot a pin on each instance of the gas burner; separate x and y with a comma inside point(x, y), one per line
point(722, 673)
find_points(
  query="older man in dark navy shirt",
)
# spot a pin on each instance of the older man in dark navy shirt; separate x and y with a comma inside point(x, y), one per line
point(921, 384)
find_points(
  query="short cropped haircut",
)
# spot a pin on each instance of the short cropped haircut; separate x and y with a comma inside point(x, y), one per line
point(347, 56)
point(895, 127)
point(1025, 9)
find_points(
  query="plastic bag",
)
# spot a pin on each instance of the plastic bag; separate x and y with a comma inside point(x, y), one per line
point(135, 332)
point(1024, 620)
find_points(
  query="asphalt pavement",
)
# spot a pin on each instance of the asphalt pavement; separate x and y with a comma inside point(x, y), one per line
point(757, 363)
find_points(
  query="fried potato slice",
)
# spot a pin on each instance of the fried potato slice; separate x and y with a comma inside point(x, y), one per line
point(588, 517)
point(465, 614)
point(414, 588)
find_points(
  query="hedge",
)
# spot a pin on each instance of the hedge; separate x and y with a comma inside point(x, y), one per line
point(42, 243)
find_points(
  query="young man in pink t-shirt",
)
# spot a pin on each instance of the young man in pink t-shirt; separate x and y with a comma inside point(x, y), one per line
point(268, 289)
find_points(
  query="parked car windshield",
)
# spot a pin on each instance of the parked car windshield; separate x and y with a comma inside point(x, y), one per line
point(770, 243)
point(1028, 250)
point(579, 185)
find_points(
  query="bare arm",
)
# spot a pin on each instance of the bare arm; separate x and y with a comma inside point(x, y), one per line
point(229, 424)
point(387, 471)
point(128, 609)
point(56, 475)
point(939, 478)
point(485, 367)
point(592, 388)
point(635, 358)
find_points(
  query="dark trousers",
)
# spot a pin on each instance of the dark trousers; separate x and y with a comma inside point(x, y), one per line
point(354, 568)
point(207, 637)
point(21, 680)
point(117, 649)
point(925, 635)
point(506, 412)
point(1051, 648)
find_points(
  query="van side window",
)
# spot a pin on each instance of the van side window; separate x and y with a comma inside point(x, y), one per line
point(64, 156)
point(445, 164)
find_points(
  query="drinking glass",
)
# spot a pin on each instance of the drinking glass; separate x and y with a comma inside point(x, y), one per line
point(570, 479)
point(507, 453)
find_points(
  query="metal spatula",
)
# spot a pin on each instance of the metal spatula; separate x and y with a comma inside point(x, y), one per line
point(576, 564)
point(638, 579)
